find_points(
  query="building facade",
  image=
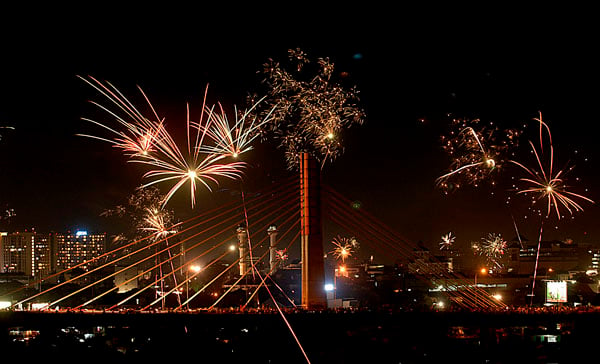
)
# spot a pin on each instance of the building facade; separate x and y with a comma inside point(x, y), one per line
point(28, 253)
point(78, 249)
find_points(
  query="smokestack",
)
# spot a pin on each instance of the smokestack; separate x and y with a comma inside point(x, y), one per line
point(242, 236)
point(272, 231)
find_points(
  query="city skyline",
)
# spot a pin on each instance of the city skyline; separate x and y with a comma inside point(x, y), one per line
point(411, 86)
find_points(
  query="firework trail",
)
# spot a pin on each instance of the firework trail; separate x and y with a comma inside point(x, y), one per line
point(476, 153)
point(492, 248)
point(307, 113)
point(547, 183)
point(447, 241)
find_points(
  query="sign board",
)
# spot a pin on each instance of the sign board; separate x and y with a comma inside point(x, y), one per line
point(556, 291)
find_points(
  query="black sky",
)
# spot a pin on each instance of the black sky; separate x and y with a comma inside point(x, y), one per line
point(500, 65)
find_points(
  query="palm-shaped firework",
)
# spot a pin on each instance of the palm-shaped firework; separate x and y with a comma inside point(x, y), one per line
point(206, 157)
point(548, 183)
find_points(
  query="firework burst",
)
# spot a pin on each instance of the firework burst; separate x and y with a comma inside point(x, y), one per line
point(155, 223)
point(308, 113)
point(148, 142)
point(281, 256)
point(492, 248)
point(171, 165)
point(547, 183)
point(447, 241)
point(476, 153)
point(232, 139)
point(344, 247)
point(143, 210)
point(139, 133)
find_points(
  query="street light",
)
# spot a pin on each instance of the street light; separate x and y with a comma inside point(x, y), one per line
point(196, 269)
point(482, 271)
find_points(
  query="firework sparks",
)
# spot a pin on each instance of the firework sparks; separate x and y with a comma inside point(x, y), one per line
point(547, 183)
point(155, 221)
point(231, 140)
point(308, 115)
point(140, 132)
point(171, 165)
point(476, 153)
point(143, 210)
point(492, 248)
point(281, 256)
point(344, 247)
point(447, 241)
point(148, 142)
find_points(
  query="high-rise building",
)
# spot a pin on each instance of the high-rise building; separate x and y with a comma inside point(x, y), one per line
point(26, 252)
point(78, 249)
point(554, 256)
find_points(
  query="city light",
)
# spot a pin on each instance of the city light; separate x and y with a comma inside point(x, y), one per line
point(329, 287)
point(195, 268)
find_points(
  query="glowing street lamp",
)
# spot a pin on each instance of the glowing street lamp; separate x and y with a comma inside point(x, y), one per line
point(196, 269)
point(482, 271)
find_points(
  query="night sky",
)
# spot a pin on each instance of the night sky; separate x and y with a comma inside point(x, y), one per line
point(413, 70)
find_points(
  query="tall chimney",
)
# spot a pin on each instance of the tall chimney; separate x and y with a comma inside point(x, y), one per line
point(272, 231)
point(242, 236)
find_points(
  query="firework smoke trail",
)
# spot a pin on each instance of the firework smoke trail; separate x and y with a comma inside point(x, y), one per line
point(307, 112)
point(447, 241)
point(548, 185)
point(475, 153)
point(492, 248)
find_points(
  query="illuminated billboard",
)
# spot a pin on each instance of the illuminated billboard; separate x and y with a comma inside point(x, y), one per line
point(556, 291)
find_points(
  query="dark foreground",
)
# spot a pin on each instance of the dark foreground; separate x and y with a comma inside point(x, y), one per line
point(327, 337)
